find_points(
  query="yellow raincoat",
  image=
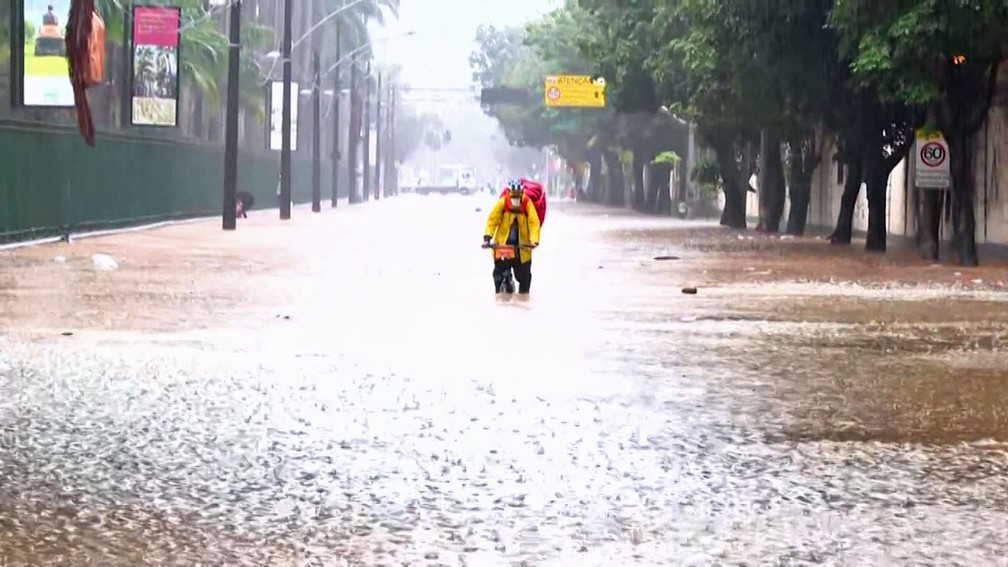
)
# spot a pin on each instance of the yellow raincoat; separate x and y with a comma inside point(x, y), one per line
point(499, 225)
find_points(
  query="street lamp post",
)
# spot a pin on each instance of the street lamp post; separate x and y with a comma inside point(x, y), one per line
point(336, 118)
point(366, 123)
point(378, 139)
point(228, 217)
point(285, 123)
point(391, 174)
point(316, 134)
point(352, 142)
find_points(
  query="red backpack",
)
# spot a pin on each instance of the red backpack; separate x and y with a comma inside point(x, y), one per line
point(533, 192)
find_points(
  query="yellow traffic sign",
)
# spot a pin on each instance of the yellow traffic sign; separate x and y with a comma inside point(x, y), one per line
point(574, 91)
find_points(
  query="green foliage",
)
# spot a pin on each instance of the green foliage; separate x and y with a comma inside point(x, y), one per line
point(705, 172)
point(668, 157)
point(904, 49)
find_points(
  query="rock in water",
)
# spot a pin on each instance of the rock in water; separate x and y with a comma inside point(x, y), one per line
point(104, 262)
point(689, 290)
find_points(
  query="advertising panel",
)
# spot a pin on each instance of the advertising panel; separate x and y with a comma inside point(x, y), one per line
point(46, 76)
point(155, 65)
point(276, 116)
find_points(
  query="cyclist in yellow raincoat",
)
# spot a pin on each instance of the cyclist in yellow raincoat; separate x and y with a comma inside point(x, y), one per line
point(513, 222)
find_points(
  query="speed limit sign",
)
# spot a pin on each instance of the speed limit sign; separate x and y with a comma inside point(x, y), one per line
point(931, 170)
point(933, 154)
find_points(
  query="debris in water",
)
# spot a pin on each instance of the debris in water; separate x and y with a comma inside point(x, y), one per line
point(104, 262)
point(689, 290)
point(662, 258)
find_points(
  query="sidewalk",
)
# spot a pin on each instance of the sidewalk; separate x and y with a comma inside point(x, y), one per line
point(179, 275)
point(729, 256)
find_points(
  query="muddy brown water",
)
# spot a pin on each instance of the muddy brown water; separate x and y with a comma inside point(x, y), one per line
point(345, 389)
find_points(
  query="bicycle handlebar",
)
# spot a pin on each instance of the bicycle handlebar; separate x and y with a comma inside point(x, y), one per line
point(495, 246)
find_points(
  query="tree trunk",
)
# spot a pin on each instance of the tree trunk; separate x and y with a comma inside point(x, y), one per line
point(929, 223)
point(616, 185)
point(734, 213)
point(579, 181)
point(594, 190)
point(876, 176)
point(638, 162)
point(964, 221)
point(802, 161)
point(772, 190)
point(852, 188)
point(659, 198)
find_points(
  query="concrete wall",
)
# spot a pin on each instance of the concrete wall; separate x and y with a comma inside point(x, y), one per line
point(991, 201)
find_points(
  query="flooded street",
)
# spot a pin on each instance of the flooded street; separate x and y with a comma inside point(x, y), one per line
point(346, 389)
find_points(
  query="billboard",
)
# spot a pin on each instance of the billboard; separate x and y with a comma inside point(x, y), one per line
point(276, 116)
point(46, 72)
point(155, 65)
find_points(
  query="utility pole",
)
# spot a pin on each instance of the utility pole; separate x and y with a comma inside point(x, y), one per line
point(316, 100)
point(391, 180)
point(228, 220)
point(352, 142)
point(336, 118)
point(316, 190)
point(378, 140)
point(366, 122)
point(285, 148)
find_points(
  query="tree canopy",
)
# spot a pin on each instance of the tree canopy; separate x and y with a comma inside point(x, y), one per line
point(765, 84)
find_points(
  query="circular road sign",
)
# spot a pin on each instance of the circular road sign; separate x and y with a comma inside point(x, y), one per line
point(553, 93)
point(933, 154)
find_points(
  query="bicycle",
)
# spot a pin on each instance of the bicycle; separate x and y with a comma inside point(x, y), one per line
point(506, 252)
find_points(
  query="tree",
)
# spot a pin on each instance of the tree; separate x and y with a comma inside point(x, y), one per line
point(519, 59)
point(941, 57)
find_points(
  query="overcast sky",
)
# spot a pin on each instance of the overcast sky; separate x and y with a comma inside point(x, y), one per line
point(438, 55)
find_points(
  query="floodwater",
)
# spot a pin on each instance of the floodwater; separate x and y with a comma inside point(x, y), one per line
point(345, 389)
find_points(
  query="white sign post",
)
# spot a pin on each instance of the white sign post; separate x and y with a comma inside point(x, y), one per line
point(276, 116)
point(931, 162)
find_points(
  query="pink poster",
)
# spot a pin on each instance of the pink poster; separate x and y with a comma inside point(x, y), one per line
point(156, 25)
point(155, 65)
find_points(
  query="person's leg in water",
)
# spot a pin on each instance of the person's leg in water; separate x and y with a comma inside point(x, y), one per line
point(523, 273)
point(502, 269)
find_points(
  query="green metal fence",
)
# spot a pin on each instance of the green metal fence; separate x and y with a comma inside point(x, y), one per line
point(52, 183)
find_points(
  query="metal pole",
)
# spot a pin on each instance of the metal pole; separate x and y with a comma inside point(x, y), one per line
point(378, 140)
point(316, 134)
point(228, 220)
point(285, 148)
point(366, 122)
point(352, 142)
point(336, 119)
point(391, 181)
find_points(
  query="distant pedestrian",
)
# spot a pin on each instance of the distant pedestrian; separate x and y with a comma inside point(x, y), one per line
point(243, 202)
